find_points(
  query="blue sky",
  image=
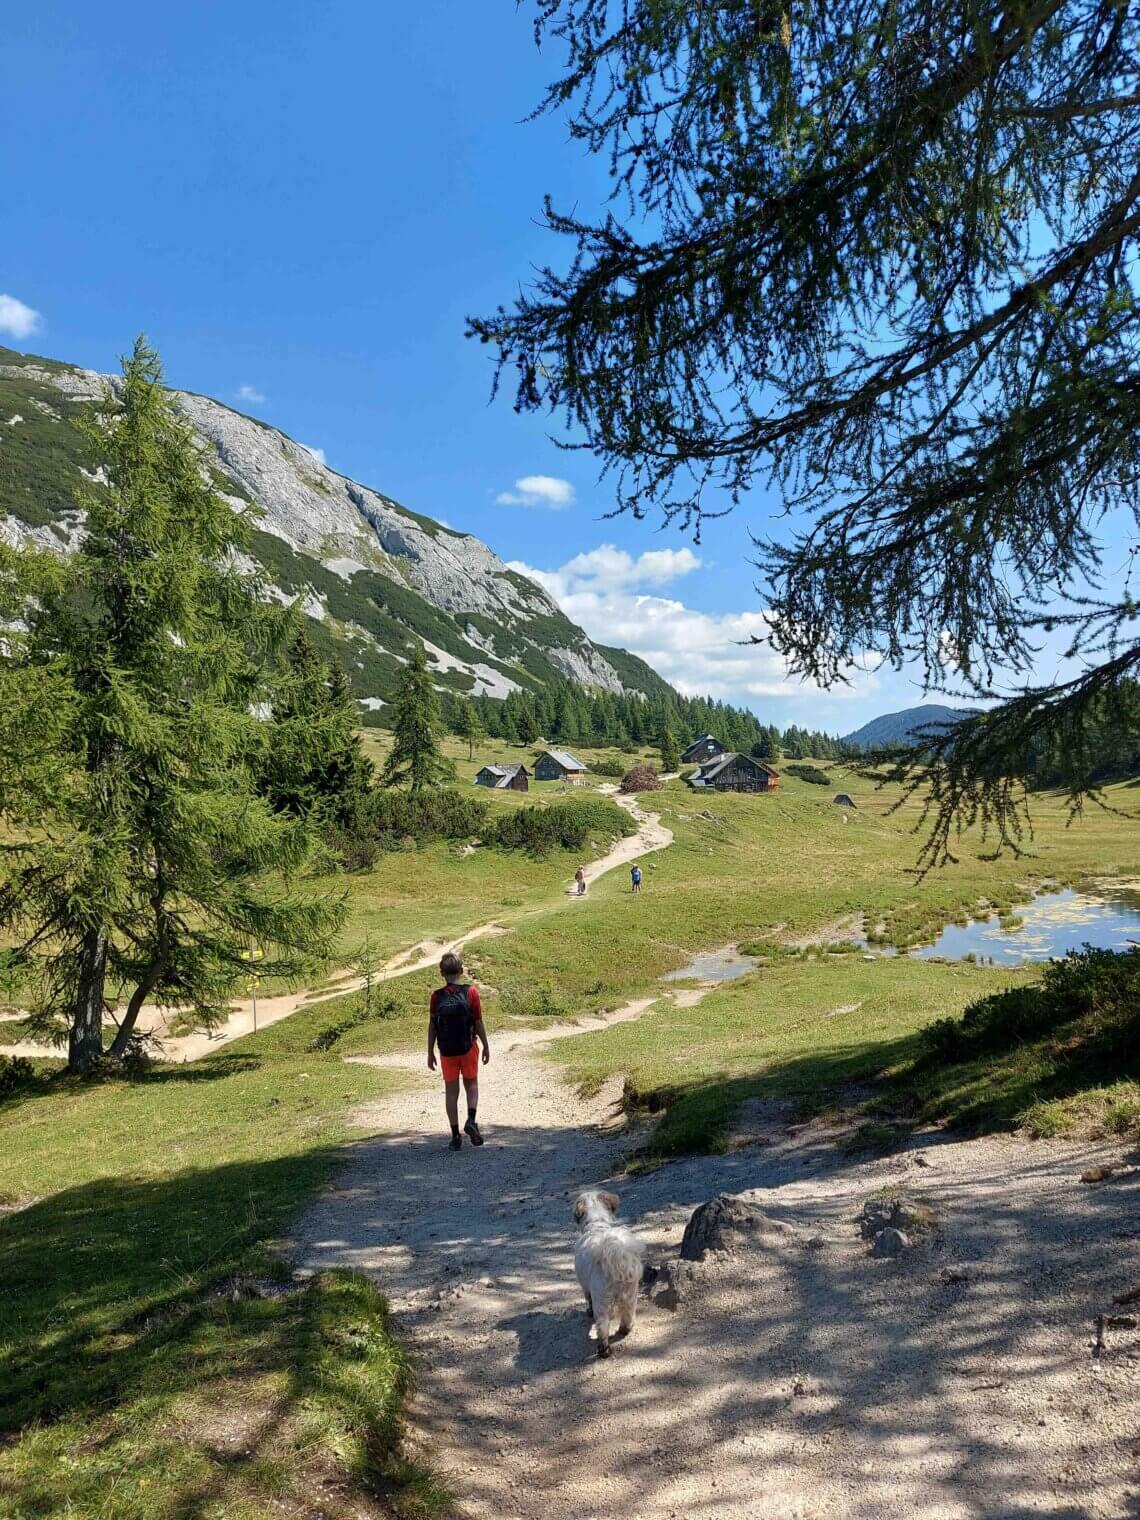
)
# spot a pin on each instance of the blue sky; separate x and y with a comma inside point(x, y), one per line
point(299, 205)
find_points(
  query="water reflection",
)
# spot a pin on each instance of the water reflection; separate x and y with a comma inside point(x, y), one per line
point(714, 966)
point(1052, 923)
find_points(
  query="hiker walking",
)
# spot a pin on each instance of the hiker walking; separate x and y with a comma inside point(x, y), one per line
point(580, 878)
point(456, 1023)
point(635, 878)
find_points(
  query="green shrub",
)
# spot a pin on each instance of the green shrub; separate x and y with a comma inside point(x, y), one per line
point(16, 1073)
point(1092, 997)
point(436, 813)
point(364, 1013)
point(608, 767)
point(564, 825)
point(810, 773)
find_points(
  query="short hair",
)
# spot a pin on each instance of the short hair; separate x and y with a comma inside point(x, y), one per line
point(451, 965)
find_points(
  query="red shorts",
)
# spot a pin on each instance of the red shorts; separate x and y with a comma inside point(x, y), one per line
point(454, 1067)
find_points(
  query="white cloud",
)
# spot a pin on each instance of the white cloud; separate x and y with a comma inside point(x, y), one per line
point(614, 569)
point(698, 652)
point(539, 491)
point(318, 454)
point(16, 319)
point(250, 393)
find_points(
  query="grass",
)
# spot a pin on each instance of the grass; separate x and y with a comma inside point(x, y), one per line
point(131, 1385)
point(791, 1029)
point(1059, 1054)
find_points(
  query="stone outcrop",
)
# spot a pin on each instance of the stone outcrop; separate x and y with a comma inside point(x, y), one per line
point(346, 526)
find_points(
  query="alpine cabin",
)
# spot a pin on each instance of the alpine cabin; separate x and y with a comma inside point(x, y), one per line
point(734, 772)
point(559, 765)
point(702, 749)
point(504, 778)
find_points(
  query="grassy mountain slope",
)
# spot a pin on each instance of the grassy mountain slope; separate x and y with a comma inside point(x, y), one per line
point(369, 572)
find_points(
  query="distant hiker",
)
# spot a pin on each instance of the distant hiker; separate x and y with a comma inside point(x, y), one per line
point(635, 877)
point(580, 878)
point(456, 1021)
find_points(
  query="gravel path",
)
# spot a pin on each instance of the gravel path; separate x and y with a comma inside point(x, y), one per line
point(651, 835)
point(796, 1380)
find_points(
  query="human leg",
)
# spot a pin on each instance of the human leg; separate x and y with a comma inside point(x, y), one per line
point(469, 1068)
point(451, 1103)
point(471, 1087)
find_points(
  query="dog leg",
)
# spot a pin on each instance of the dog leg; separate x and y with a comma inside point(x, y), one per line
point(602, 1331)
point(625, 1321)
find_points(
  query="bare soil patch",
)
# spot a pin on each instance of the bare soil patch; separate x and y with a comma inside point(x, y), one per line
point(799, 1375)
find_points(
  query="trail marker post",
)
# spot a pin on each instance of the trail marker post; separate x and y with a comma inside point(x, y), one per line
point(253, 954)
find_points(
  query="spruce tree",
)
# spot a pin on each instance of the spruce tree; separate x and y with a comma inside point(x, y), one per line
point(415, 757)
point(670, 752)
point(316, 766)
point(526, 727)
point(140, 860)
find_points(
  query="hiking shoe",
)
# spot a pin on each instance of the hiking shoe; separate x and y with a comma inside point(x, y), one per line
point(472, 1131)
point(455, 1143)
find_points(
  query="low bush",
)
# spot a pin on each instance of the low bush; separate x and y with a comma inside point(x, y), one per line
point(16, 1073)
point(366, 1010)
point(434, 813)
point(642, 778)
point(608, 767)
point(1091, 996)
point(1036, 1055)
point(810, 773)
point(562, 825)
point(532, 1001)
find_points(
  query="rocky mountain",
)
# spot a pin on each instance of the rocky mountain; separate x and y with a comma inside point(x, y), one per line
point(897, 728)
point(368, 571)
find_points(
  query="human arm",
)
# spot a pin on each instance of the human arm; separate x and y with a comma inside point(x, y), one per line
point(480, 1028)
point(431, 1036)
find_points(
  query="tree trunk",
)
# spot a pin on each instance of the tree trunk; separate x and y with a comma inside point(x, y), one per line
point(85, 1041)
point(134, 1008)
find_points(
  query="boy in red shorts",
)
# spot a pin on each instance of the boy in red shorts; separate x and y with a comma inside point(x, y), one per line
point(455, 1021)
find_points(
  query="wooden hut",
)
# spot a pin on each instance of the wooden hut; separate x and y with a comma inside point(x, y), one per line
point(504, 778)
point(844, 800)
point(702, 749)
point(559, 765)
point(734, 772)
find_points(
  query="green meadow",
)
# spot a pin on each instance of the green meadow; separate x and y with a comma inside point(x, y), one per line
point(140, 1373)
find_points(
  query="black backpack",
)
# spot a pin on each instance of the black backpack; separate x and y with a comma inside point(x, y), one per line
point(454, 1026)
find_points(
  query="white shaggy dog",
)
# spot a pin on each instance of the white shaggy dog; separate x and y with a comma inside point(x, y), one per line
point(607, 1260)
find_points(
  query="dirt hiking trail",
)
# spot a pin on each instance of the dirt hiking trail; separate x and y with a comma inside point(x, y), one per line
point(651, 836)
point(800, 1377)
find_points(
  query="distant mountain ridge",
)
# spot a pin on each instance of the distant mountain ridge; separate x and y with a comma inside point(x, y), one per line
point(368, 572)
point(893, 729)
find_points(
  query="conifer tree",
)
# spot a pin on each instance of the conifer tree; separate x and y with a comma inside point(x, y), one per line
point(316, 766)
point(415, 757)
point(526, 727)
point(885, 258)
point(670, 752)
point(138, 853)
point(468, 725)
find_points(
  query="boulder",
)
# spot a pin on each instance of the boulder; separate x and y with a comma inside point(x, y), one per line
point(671, 1285)
point(718, 1226)
point(898, 1213)
point(890, 1242)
